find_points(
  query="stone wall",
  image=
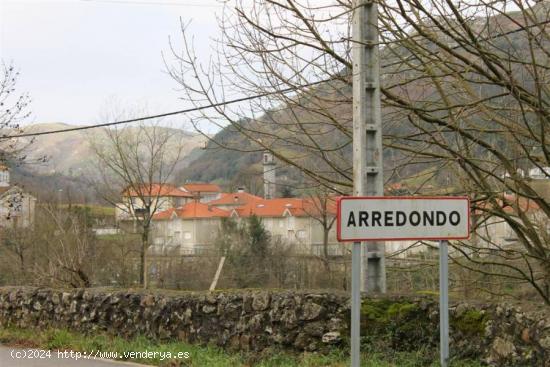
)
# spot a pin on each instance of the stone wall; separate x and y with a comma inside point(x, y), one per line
point(500, 335)
point(251, 320)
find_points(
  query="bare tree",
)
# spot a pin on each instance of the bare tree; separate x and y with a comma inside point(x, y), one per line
point(470, 80)
point(465, 95)
point(14, 109)
point(276, 47)
point(16, 247)
point(64, 247)
point(13, 105)
point(136, 165)
point(320, 205)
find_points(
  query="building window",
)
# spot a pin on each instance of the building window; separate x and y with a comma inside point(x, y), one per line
point(290, 224)
point(187, 235)
point(200, 250)
point(301, 233)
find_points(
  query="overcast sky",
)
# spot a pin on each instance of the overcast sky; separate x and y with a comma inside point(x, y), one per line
point(76, 55)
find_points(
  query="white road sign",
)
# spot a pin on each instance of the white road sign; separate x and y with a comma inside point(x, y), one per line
point(403, 218)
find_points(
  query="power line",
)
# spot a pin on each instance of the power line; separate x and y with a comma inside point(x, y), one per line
point(193, 109)
point(224, 103)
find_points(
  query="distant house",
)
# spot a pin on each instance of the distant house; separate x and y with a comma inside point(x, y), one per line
point(189, 229)
point(540, 173)
point(294, 220)
point(17, 207)
point(159, 197)
point(229, 201)
point(494, 232)
point(194, 227)
point(205, 192)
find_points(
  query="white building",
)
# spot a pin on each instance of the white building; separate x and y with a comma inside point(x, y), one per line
point(17, 207)
point(204, 192)
point(158, 197)
point(539, 173)
point(298, 221)
point(190, 229)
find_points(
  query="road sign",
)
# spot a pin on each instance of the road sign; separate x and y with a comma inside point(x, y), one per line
point(400, 218)
point(403, 218)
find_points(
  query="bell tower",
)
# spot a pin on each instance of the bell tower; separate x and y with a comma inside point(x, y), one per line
point(268, 162)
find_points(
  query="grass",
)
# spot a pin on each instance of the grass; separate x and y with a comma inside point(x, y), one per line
point(199, 356)
point(94, 210)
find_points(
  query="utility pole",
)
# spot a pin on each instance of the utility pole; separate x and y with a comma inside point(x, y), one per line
point(368, 177)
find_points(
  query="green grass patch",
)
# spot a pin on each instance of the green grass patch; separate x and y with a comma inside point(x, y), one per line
point(93, 210)
point(201, 356)
point(428, 293)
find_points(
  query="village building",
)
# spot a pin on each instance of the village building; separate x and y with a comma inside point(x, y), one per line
point(17, 207)
point(297, 221)
point(230, 201)
point(187, 230)
point(494, 232)
point(158, 197)
point(205, 192)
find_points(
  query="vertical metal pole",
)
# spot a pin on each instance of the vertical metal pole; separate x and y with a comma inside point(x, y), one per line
point(444, 302)
point(367, 157)
point(355, 303)
point(367, 131)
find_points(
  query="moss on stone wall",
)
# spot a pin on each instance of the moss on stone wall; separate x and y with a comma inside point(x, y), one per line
point(383, 311)
point(471, 322)
point(396, 324)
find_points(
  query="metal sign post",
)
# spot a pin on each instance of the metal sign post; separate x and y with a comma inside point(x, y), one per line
point(355, 304)
point(444, 302)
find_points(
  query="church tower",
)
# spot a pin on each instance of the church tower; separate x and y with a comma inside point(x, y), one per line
point(269, 175)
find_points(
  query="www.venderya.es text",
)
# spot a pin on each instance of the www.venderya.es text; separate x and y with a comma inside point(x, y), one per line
point(96, 354)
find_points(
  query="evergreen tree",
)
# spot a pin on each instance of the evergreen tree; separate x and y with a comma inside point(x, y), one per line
point(247, 248)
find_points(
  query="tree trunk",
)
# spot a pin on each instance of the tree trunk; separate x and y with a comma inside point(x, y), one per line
point(325, 249)
point(84, 278)
point(143, 278)
point(326, 260)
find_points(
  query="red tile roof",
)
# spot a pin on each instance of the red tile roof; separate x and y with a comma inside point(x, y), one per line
point(236, 198)
point(201, 187)
point(523, 203)
point(511, 204)
point(154, 190)
point(297, 207)
point(246, 204)
point(193, 210)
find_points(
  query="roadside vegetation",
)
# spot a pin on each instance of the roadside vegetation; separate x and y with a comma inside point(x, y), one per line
point(201, 356)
